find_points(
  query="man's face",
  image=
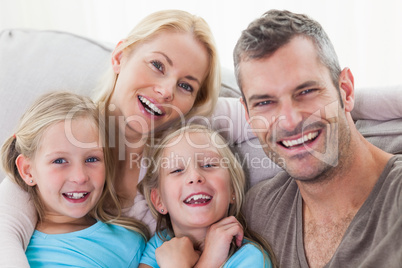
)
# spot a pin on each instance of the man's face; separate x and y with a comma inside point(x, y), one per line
point(295, 109)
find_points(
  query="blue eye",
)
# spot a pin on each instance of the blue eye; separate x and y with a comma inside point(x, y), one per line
point(186, 87)
point(158, 65)
point(59, 161)
point(307, 91)
point(91, 160)
point(209, 165)
point(177, 170)
point(263, 103)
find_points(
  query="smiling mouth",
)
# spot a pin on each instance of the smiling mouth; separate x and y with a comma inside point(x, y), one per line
point(300, 141)
point(150, 107)
point(198, 199)
point(76, 195)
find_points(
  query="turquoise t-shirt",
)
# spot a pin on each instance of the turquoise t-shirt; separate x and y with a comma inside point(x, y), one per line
point(248, 255)
point(101, 245)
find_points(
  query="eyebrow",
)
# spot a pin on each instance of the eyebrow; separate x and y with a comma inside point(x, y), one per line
point(166, 57)
point(259, 97)
point(309, 83)
point(306, 84)
point(189, 77)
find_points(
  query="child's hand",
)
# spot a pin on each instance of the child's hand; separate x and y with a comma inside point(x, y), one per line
point(178, 252)
point(218, 240)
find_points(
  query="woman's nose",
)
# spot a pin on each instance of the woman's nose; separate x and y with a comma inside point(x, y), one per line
point(166, 90)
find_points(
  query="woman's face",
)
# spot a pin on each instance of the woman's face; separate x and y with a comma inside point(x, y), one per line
point(158, 80)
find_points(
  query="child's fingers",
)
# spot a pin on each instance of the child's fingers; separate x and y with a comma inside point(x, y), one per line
point(230, 227)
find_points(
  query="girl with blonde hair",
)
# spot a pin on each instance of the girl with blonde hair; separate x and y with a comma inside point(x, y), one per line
point(195, 189)
point(59, 156)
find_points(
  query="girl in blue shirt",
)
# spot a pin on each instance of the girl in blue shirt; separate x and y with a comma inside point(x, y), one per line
point(59, 155)
point(195, 189)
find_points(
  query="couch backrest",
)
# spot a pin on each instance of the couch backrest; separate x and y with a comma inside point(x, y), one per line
point(34, 62)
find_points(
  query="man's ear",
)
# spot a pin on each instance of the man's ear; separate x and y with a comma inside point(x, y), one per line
point(24, 166)
point(157, 202)
point(116, 57)
point(347, 89)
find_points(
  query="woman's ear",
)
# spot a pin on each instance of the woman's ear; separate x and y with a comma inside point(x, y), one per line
point(116, 57)
point(347, 89)
point(157, 201)
point(24, 166)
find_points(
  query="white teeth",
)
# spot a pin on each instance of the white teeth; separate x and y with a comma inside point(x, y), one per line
point(76, 195)
point(197, 197)
point(153, 109)
point(301, 140)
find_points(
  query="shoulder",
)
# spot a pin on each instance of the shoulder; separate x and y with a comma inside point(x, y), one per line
point(391, 188)
point(249, 255)
point(391, 179)
point(131, 238)
point(272, 190)
point(124, 232)
point(396, 164)
point(128, 244)
point(156, 240)
point(148, 257)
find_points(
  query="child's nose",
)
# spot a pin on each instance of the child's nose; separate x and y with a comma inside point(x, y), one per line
point(195, 177)
point(79, 175)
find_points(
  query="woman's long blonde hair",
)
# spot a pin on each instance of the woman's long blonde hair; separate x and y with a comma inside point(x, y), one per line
point(238, 184)
point(47, 110)
point(177, 21)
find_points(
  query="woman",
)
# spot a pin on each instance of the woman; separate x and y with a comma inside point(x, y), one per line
point(165, 71)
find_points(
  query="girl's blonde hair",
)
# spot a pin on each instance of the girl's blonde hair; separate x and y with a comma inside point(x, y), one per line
point(177, 21)
point(47, 110)
point(238, 183)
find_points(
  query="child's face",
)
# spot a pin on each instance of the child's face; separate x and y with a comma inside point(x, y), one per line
point(70, 178)
point(195, 183)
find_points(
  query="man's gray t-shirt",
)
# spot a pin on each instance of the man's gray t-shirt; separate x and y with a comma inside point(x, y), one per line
point(373, 239)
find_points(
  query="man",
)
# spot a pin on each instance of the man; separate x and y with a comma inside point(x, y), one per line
point(339, 203)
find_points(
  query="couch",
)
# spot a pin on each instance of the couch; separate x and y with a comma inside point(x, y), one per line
point(33, 62)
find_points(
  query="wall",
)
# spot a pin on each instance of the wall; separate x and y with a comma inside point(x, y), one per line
point(366, 34)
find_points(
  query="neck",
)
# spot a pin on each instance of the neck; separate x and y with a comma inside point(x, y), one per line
point(128, 149)
point(56, 224)
point(346, 186)
point(127, 175)
point(197, 236)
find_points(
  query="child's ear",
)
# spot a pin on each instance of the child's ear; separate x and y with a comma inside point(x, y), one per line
point(157, 202)
point(233, 198)
point(24, 166)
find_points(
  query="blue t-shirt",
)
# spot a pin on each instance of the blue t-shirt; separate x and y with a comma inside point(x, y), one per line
point(248, 255)
point(101, 245)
